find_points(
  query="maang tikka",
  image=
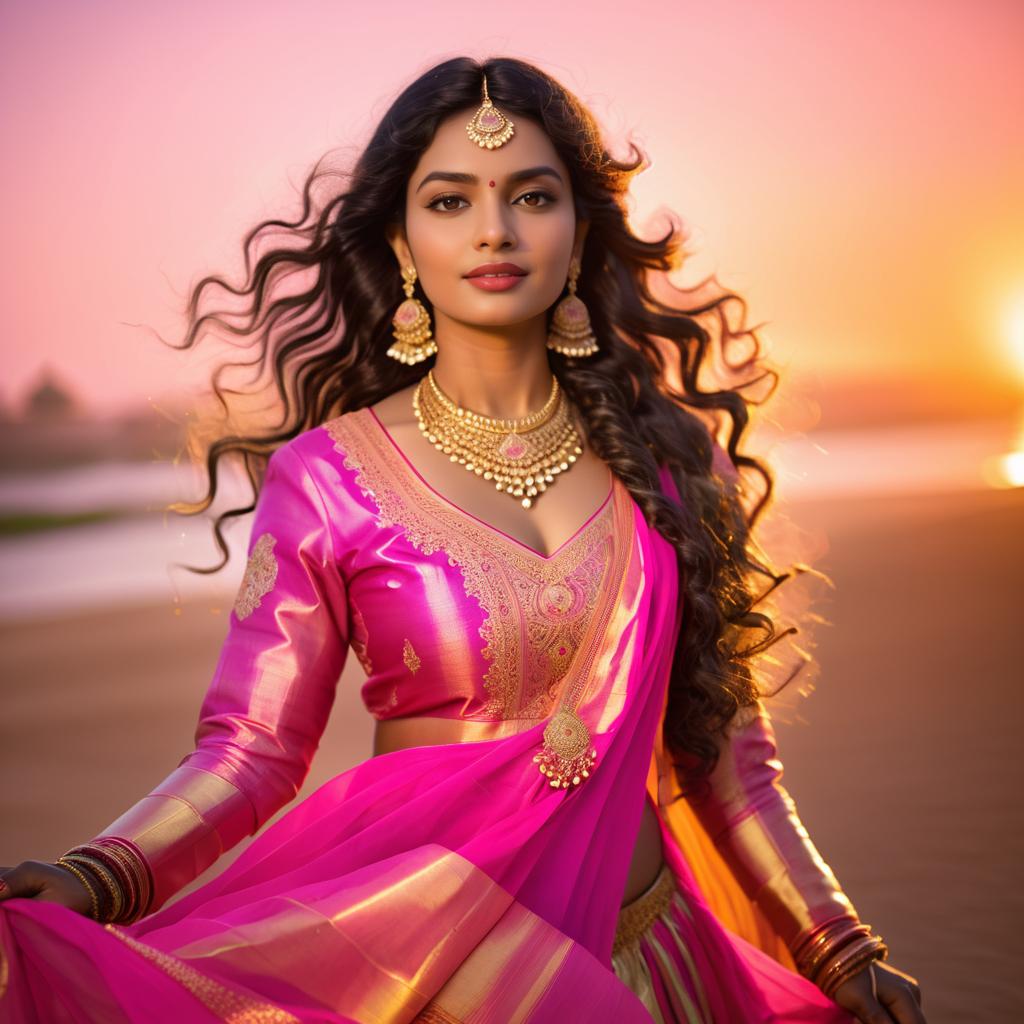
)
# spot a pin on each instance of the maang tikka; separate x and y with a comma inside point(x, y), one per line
point(489, 128)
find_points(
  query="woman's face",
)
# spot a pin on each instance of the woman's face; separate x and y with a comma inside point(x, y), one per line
point(494, 214)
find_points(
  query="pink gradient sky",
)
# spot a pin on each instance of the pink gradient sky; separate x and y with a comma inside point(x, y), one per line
point(854, 170)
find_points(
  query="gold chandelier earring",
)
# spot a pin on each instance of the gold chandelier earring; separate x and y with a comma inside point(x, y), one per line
point(411, 326)
point(571, 333)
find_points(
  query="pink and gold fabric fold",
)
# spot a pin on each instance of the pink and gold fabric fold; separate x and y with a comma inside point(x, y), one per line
point(411, 885)
point(450, 882)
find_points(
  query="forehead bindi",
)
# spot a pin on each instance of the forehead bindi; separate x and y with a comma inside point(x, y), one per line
point(451, 151)
point(515, 177)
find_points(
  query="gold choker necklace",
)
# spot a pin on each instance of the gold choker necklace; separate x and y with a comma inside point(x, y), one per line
point(522, 456)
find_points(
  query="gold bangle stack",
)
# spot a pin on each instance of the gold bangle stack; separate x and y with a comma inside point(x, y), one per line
point(117, 876)
point(850, 961)
point(86, 881)
point(831, 953)
point(113, 904)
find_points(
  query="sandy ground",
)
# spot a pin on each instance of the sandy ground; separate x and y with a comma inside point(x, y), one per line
point(904, 762)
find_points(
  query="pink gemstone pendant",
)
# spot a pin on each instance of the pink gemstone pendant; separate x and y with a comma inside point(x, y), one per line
point(512, 447)
point(407, 313)
point(571, 311)
point(489, 127)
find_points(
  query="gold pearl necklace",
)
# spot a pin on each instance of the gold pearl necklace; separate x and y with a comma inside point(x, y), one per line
point(522, 456)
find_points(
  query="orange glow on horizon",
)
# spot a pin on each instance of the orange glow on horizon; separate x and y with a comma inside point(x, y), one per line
point(1014, 329)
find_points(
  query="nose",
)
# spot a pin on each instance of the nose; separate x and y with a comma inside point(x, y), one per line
point(494, 228)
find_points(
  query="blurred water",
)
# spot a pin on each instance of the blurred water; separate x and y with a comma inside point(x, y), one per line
point(127, 560)
point(910, 459)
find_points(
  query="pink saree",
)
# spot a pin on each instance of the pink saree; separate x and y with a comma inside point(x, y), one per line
point(446, 883)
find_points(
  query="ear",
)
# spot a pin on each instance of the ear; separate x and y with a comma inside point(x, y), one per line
point(582, 226)
point(397, 241)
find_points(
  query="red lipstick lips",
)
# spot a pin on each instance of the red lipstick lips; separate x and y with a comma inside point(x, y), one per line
point(496, 268)
point(496, 277)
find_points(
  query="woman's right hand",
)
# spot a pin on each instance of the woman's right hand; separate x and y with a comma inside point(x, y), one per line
point(38, 880)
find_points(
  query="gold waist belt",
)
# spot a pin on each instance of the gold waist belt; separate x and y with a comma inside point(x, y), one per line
point(639, 914)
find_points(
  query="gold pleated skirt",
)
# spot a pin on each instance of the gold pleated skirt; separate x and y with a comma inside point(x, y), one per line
point(651, 954)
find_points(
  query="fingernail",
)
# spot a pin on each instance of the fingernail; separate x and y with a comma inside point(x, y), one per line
point(3, 888)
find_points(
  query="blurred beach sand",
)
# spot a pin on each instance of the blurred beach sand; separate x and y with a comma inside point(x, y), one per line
point(904, 762)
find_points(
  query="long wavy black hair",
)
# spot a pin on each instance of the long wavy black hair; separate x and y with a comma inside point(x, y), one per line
point(640, 398)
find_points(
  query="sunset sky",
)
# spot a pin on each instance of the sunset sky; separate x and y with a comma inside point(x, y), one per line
point(856, 171)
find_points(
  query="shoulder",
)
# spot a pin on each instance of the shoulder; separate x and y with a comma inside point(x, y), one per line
point(319, 446)
point(332, 458)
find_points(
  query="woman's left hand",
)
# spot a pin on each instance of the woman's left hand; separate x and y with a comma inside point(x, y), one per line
point(890, 997)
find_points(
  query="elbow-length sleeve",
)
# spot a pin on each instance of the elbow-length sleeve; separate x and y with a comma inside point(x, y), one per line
point(268, 701)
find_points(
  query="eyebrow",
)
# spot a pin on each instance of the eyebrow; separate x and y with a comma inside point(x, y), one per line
point(471, 179)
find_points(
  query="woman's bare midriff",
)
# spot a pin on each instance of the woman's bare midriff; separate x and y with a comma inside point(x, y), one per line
point(398, 733)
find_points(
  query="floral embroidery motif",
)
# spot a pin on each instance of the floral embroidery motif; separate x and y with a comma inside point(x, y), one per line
point(359, 638)
point(259, 577)
point(539, 611)
point(410, 657)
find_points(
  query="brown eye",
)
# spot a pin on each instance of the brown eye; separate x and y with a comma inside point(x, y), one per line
point(444, 199)
point(539, 192)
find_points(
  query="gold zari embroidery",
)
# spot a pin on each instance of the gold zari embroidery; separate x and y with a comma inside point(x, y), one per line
point(410, 657)
point(636, 917)
point(537, 611)
point(259, 577)
point(232, 1007)
point(359, 639)
point(545, 617)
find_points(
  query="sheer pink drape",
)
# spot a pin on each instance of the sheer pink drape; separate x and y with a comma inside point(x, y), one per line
point(435, 883)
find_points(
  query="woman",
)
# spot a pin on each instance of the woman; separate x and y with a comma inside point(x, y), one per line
point(573, 812)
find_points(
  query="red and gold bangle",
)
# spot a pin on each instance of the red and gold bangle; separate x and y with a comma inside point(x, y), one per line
point(827, 952)
point(123, 872)
point(833, 951)
point(111, 907)
point(118, 863)
point(84, 879)
point(119, 872)
point(853, 960)
point(112, 882)
point(138, 869)
point(819, 945)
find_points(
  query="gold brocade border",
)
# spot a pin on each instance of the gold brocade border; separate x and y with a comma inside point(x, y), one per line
point(259, 578)
point(506, 975)
point(232, 1006)
point(476, 952)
